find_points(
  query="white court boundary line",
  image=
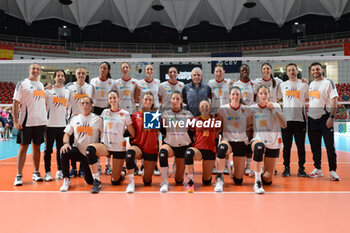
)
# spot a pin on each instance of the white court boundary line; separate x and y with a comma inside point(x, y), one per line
point(180, 192)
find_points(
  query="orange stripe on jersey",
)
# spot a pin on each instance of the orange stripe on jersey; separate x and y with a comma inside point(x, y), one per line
point(80, 96)
point(59, 100)
point(85, 129)
point(296, 94)
point(316, 94)
point(38, 93)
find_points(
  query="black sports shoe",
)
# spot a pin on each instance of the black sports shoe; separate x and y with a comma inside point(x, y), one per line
point(302, 173)
point(96, 186)
point(136, 171)
point(286, 172)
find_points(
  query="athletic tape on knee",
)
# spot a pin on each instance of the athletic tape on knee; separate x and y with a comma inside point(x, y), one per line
point(189, 154)
point(222, 150)
point(91, 155)
point(259, 149)
point(163, 158)
point(130, 159)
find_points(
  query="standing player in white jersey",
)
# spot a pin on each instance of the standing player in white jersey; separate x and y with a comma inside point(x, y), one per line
point(176, 142)
point(248, 90)
point(78, 89)
point(234, 118)
point(115, 120)
point(126, 88)
point(86, 128)
point(57, 105)
point(220, 88)
point(167, 88)
point(268, 120)
point(322, 108)
point(102, 85)
point(271, 82)
point(149, 84)
point(29, 117)
point(295, 95)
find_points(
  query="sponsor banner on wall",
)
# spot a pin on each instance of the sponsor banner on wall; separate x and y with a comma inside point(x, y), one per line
point(229, 66)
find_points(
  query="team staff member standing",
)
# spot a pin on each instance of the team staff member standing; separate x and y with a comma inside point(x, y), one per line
point(29, 101)
point(196, 91)
point(87, 129)
point(78, 89)
point(322, 108)
point(295, 95)
point(57, 104)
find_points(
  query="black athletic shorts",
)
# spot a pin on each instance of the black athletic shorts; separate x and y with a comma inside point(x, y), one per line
point(34, 134)
point(179, 152)
point(272, 153)
point(239, 149)
point(207, 154)
point(118, 154)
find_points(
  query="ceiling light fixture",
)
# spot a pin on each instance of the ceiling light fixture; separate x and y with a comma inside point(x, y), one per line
point(66, 2)
point(157, 6)
point(249, 4)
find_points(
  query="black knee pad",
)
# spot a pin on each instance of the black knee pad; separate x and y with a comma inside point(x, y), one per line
point(147, 183)
point(163, 158)
point(265, 182)
point(91, 155)
point(130, 159)
point(259, 149)
point(207, 182)
point(237, 181)
point(222, 150)
point(179, 182)
point(118, 181)
point(189, 154)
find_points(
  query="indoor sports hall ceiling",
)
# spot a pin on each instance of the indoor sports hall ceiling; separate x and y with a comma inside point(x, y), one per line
point(178, 14)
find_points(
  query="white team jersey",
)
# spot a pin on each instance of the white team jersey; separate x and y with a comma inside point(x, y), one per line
point(165, 91)
point(86, 129)
point(149, 87)
point(57, 106)
point(266, 126)
point(114, 124)
point(248, 89)
point(176, 133)
point(31, 96)
point(275, 92)
point(78, 92)
point(220, 93)
point(126, 91)
point(321, 93)
point(235, 122)
point(101, 90)
point(294, 98)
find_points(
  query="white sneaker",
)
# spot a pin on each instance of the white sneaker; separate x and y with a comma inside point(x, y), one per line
point(334, 176)
point(316, 173)
point(18, 180)
point(258, 187)
point(156, 172)
point(59, 175)
point(48, 176)
point(164, 187)
point(131, 187)
point(219, 185)
point(247, 171)
point(37, 177)
point(66, 185)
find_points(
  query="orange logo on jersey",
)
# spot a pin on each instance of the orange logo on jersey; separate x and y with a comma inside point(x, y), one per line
point(126, 92)
point(279, 140)
point(235, 124)
point(123, 143)
point(85, 129)
point(245, 94)
point(121, 114)
point(206, 133)
point(60, 100)
point(316, 94)
point(296, 94)
point(263, 123)
point(38, 93)
point(133, 82)
point(79, 96)
point(220, 92)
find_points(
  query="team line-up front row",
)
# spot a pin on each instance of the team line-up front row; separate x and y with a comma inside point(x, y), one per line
point(248, 129)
